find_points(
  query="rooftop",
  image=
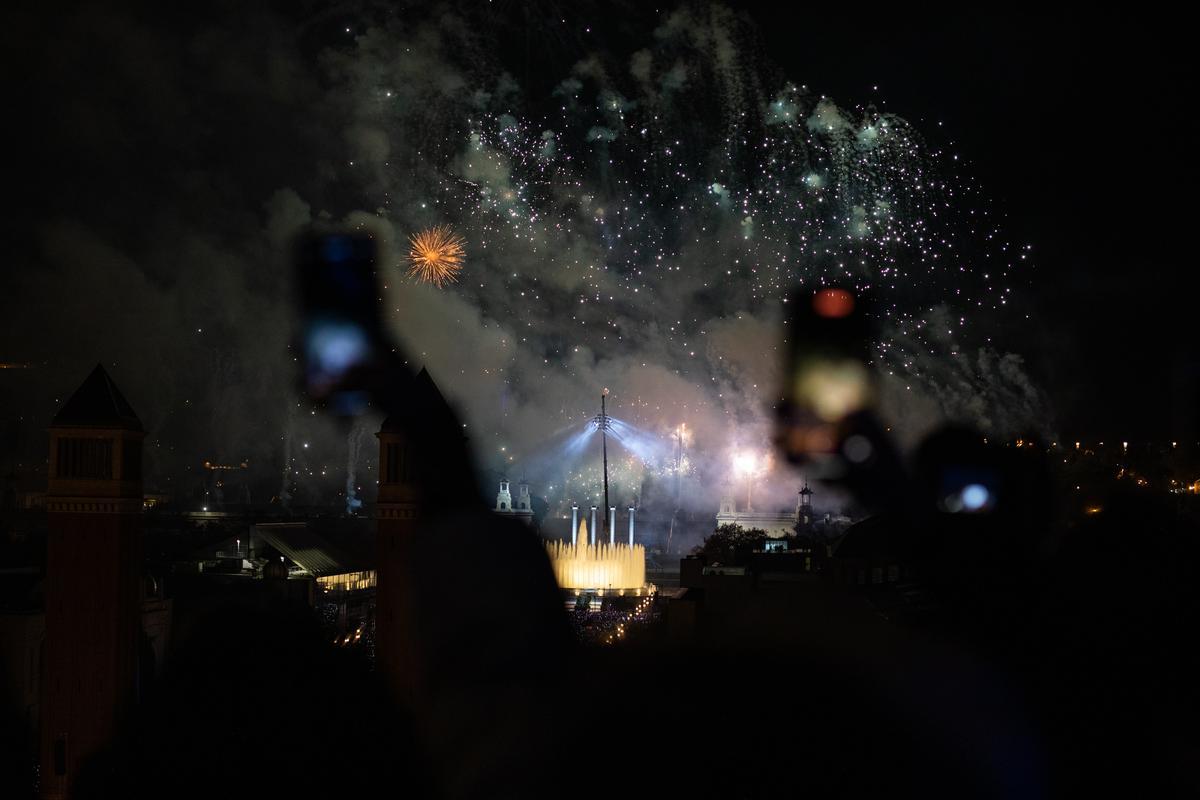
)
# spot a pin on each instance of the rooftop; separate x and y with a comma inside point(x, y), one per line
point(97, 403)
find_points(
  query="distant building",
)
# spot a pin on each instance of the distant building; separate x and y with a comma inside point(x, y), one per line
point(804, 509)
point(521, 509)
point(726, 594)
point(776, 524)
point(24, 492)
point(871, 553)
point(313, 554)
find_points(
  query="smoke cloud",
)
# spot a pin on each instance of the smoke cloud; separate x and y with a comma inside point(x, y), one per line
point(188, 152)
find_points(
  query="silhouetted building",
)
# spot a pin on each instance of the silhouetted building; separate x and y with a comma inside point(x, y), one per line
point(776, 524)
point(94, 507)
point(804, 509)
point(871, 553)
point(419, 443)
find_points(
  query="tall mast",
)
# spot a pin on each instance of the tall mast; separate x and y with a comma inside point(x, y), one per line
point(604, 445)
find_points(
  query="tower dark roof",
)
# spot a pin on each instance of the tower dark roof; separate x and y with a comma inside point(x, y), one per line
point(423, 402)
point(97, 403)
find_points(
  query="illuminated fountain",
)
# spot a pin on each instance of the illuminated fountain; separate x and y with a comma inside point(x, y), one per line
point(600, 567)
point(590, 565)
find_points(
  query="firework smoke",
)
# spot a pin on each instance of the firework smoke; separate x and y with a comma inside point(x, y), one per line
point(636, 218)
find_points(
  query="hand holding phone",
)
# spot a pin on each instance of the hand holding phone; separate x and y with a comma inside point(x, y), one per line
point(826, 420)
point(341, 336)
point(826, 378)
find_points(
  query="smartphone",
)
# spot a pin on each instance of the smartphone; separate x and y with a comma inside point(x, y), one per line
point(341, 337)
point(826, 378)
point(826, 418)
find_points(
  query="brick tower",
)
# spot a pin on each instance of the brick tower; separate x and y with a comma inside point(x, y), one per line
point(93, 569)
point(422, 471)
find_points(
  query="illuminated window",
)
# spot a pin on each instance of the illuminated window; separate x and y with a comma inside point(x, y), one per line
point(347, 581)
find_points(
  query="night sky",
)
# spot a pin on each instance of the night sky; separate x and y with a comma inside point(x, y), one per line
point(167, 161)
point(1075, 124)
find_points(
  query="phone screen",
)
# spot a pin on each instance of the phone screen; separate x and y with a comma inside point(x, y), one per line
point(340, 330)
point(967, 489)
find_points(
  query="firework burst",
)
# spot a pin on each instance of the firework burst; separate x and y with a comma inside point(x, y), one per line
point(660, 223)
point(436, 255)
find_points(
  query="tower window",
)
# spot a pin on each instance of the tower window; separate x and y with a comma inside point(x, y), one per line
point(397, 463)
point(84, 458)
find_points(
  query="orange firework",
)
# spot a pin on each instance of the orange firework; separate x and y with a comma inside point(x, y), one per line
point(436, 255)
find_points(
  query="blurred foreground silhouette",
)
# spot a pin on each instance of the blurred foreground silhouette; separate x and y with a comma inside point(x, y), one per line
point(1025, 654)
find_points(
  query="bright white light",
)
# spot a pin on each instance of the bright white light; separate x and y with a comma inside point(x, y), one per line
point(975, 496)
point(333, 348)
point(972, 498)
point(745, 463)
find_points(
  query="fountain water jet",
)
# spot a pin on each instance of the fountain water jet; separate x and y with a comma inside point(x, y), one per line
point(601, 566)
